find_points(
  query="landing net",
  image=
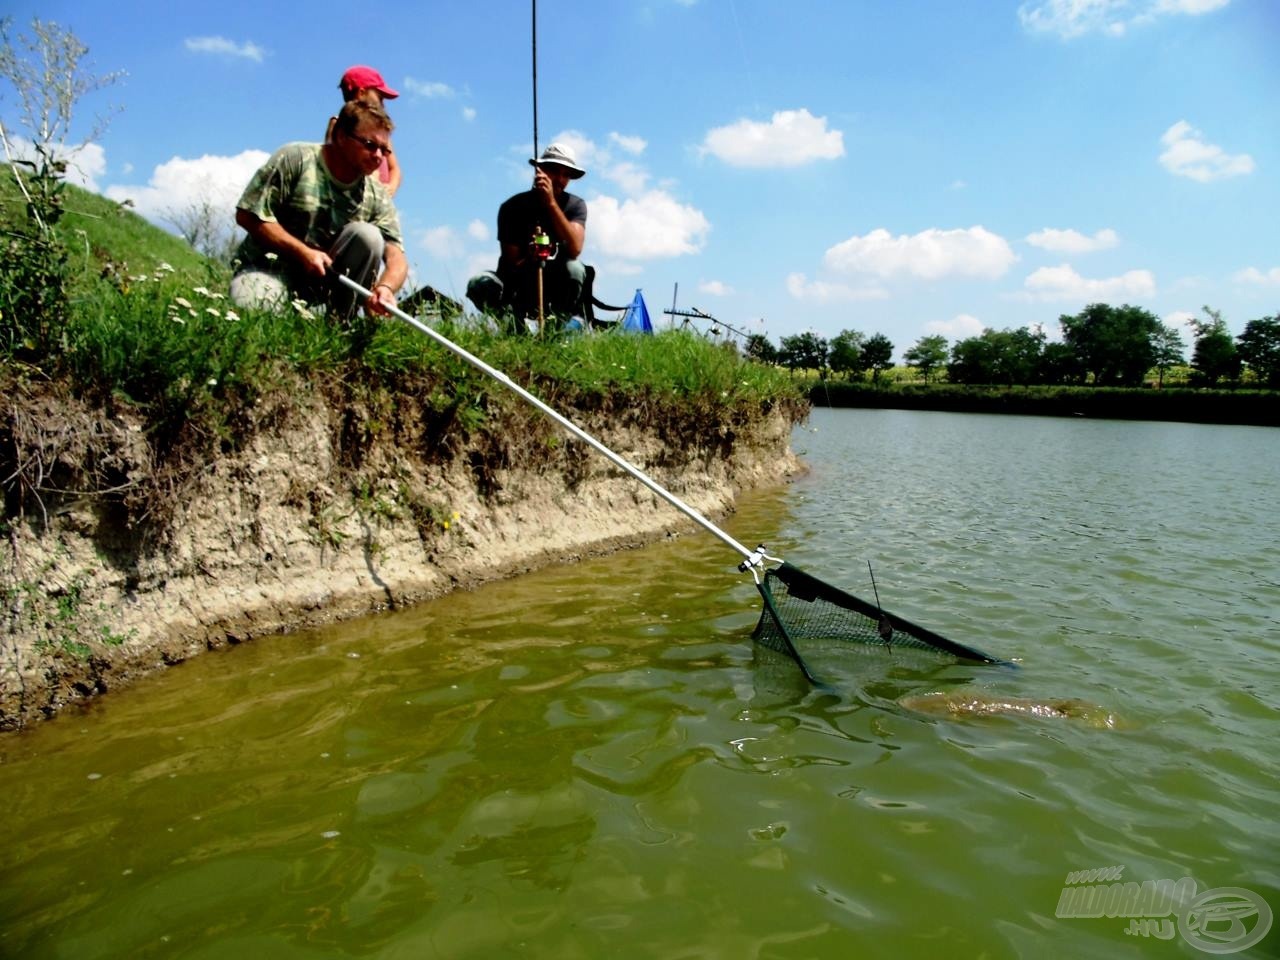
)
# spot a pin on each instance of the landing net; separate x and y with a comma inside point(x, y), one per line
point(797, 607)
point(800, 609)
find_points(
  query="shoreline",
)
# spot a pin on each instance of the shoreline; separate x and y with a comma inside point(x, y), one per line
point(280, 536)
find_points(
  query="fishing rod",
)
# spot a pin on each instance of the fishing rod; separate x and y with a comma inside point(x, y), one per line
point(695, 313)
point(541, 242)
point(535, 77)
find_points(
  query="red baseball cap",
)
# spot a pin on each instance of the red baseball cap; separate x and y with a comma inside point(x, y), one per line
point(366, 78)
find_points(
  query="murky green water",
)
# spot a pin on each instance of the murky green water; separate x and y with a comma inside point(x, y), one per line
point(593, 761)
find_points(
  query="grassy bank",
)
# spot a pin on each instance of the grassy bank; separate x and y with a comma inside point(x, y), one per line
point(1185, 404)
point(147, 334)
point(181, 475)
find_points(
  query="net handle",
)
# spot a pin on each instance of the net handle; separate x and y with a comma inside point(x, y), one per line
point(750, 558)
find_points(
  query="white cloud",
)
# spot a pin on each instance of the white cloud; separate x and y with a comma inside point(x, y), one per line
point(930, 254)
point(790, 139)
point(468, 114)
point(442, 242)
point(714, 288)
point(634, 145)
point(478, 230)
point(1270, 278)
point(588, 155)
point(1193, 7)
point(1183, 323)
point(599, 161)
point(1071, 241)
point(819, 291)
point(179, 184)
point(961, 327)
point(1063, 283)
point(1187, 155)
point(85, 163)
point(650, 226)
point(1074, 18)
point(1181, 320)
point(631, 178)
point(430, 89)
point(221, 46)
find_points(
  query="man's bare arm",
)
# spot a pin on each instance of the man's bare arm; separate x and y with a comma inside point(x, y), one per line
point(570, 235)
point(272, 237)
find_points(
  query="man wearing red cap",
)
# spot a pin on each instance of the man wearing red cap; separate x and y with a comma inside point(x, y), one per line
point(366, 83)
point(314, 210)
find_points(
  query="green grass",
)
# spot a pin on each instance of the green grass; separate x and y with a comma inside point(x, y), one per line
point(100, 234)
point(149, 325)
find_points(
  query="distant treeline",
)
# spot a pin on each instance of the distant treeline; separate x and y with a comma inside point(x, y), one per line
point(1101, 346)
point(1248, 407)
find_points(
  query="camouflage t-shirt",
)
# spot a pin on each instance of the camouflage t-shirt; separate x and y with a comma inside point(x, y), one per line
point(295, 189)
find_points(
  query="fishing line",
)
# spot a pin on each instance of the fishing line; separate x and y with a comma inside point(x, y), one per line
point(742, 50)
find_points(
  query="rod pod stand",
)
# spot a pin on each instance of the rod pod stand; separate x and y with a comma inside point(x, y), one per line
point(541, 244)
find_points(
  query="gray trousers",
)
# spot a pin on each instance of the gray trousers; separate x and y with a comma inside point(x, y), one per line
point(357, 253)
point(562, 289)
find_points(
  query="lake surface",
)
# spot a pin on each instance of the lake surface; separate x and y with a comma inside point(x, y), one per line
point(595, 761)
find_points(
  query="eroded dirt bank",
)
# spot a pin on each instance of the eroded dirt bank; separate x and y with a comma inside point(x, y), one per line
point(119, 559)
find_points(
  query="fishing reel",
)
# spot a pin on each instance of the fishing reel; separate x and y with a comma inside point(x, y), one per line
point(542, 246)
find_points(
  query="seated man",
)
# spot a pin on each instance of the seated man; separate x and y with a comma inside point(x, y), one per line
point(314, 209)
point(562, 217)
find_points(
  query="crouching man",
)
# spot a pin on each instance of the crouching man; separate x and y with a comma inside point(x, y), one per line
point(315, 210)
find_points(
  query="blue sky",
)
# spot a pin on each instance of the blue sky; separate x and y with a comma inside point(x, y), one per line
point(906, 168)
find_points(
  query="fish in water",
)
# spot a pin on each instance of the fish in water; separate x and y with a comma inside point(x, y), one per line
point(968, 703)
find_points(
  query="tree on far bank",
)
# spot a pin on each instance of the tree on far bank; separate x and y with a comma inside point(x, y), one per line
point(973, 360)
point(1215, 356)
point(1004, 357)
point(928, 354)
point(1169, 351)
point(877, 353)
point(759, 347)
point(1059, 364)
point(803, 351)
point(1259, 347)
point(1112, 343)
point(845, 354)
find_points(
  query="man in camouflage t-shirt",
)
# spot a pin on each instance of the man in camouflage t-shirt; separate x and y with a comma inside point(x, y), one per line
point(314, 210)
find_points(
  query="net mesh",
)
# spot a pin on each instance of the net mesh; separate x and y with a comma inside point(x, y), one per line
point(800, 609)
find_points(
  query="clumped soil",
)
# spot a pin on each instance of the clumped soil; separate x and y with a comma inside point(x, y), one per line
point(128, 548)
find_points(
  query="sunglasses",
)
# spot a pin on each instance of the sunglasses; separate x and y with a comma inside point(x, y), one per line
point(373, 146)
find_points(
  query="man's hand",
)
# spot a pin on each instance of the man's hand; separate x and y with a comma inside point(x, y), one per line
point(381, 298)
point(315, 262)
point(383, 295)
point(544, 188)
